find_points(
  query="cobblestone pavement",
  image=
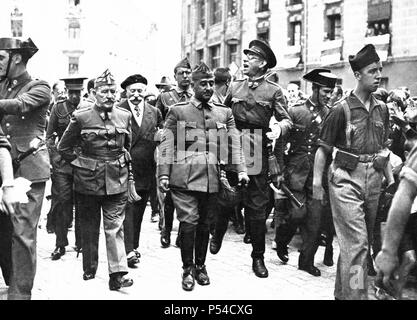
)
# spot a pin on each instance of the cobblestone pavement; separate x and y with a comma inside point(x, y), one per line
point(158, 275)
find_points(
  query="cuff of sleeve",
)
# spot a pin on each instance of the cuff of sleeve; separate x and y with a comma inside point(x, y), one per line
point(410, 175)
point(163, 177)
point(325, 145)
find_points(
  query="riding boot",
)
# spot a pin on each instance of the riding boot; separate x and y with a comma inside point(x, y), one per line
point(187, 236)
point(201, 244)
point(257, 231)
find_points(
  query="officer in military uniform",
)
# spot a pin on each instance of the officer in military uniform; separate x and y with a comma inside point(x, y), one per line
point(62, 175)
point(254, 100)
point(307, 119)
point(191, 170)
point(23, 107)
point(356, 131)
point(182, 92)
point(103, 133)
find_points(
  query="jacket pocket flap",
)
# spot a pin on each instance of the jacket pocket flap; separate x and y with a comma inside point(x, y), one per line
point(122, 130)
point(191, 124)
point(221, 125)
point(85, 163)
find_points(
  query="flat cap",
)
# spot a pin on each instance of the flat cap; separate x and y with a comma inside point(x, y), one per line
point(135, 78)
point(321, 77)
point(262, 49)
point(18, 45)
point(364, 57)
point(105, 79)
point(202, 72)
point(73, 83)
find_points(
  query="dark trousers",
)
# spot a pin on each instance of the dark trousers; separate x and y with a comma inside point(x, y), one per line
point(168, 213)
point(63, 184)
point(6, 229)
point(113, 207)
point(133, 220)
point(153, 198)
point(256, 206)
point(25, 226)
point(193, 212)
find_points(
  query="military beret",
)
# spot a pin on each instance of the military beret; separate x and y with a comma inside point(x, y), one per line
point(184, 63)
point(364, 57)
point(105, 79)
point(73, 83)
point(261, 48)
point(202, 72)
point(321, 77)
point(136, 78)
point(14, 44)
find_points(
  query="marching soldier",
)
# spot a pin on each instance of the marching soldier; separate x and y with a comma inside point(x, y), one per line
point(103, 133)
point(62, 175)
point(254, 100)
point(307, 119)
point(24, 105)
point(356, 130)
point(182, 92)
point(193, 176)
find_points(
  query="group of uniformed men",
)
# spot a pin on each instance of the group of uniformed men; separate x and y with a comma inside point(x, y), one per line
point(102, 160)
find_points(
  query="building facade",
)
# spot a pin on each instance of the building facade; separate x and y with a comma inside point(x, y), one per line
point(84, 37)
point(305, 34)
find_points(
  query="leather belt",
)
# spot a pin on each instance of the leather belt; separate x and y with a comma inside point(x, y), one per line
point(367, 157)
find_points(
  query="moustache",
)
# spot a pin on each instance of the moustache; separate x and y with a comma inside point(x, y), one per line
point(110, 100)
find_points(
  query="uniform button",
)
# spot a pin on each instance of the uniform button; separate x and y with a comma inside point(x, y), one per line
point(23, 117)
point(8, 137)
point(309, 147)
point(309, 153)
point(309, 140)
point(7, 124)
point(10, 89)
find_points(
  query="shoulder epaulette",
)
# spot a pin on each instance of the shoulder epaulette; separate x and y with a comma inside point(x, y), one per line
point(82, 110)
point(182, 103)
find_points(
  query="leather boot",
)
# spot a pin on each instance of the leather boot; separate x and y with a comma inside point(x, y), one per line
point(188, 280)
point(201, 244)
point(257, 229)
point(239, 226)
point(222, 222)
point(328, 256)
point(187, 238)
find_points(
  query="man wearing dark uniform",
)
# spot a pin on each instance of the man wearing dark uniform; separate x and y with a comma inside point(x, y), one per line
point(23, 108)
point(180, 93)
point(62, 175)
point(356, 131)
point(191, 169)
point(307, 118)
point(254, 100)
point(103, 133)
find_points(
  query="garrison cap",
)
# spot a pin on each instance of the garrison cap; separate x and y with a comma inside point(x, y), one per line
point(136, 78)
point(105, 79)
point(364, 57)
point(261, 48)
point(202, 72)
point(184, 63)
point(321, 77)
point(73, 83)
point(17, 45)
point(165, 81)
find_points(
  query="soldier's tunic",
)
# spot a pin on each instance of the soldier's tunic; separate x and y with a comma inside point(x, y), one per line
point(62, 175)
point(307, 120)
point(194, 129)
point(23, 108)
point(164, 102)
point(253, 104)
point(100, 179)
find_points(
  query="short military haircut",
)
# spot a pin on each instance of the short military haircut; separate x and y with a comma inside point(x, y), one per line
point(222, 75)
point(90, 84)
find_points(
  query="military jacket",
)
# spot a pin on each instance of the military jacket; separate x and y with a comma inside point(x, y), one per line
point(169, 98)
point(23, 109)
point(194, 141)
point(61, 114)
point(307, 121)
point(104, 140)
point(253, 103)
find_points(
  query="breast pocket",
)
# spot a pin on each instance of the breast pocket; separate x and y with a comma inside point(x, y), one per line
point(191, 131)
point(89, 135)
point(121, 134)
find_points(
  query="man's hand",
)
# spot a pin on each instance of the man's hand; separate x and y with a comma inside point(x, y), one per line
point(9, 200)
point(275, 132)
point(164, 184)
point(243, 178)
point(387, 266)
